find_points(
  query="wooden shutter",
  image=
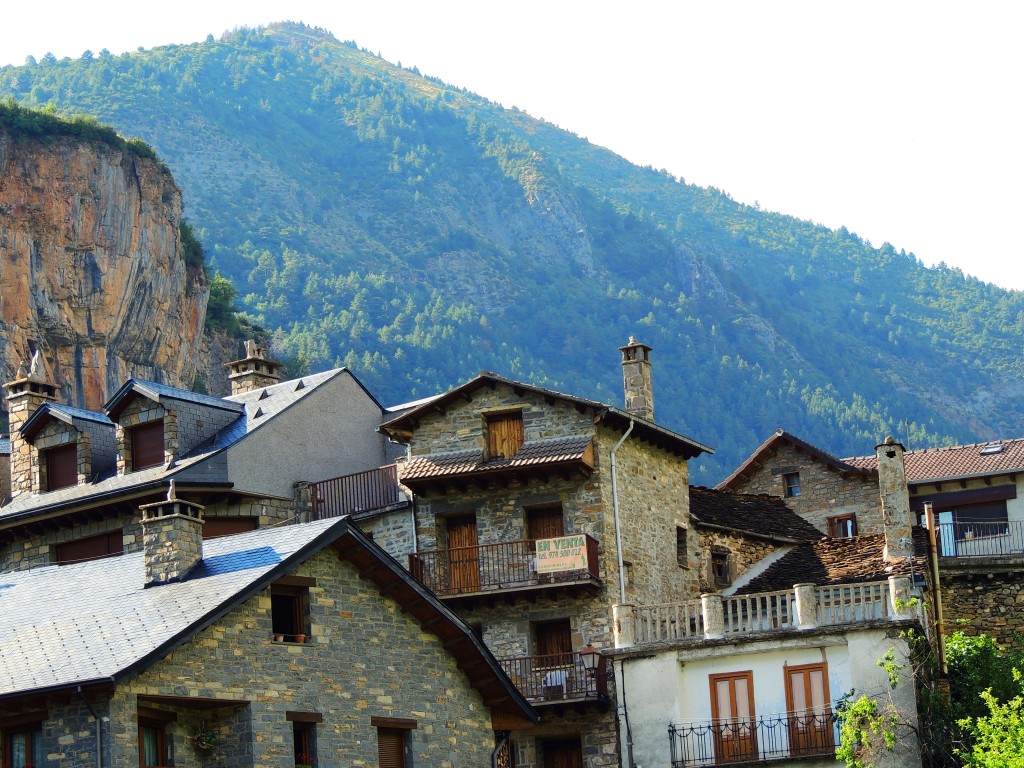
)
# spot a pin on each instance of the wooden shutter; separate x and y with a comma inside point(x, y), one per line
point(92, 548)
point(214, 527)
point(564, 753)
point(504, 435)
point(545, 522)
point(391, 747)
point(734, 729)
point(554, 638)
point(62, 467)
point(148, 444)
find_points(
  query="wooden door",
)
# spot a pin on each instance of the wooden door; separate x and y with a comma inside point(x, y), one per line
point(810, 715)
point(544, 522)
point(732, 707)
point(463, 554)
point(564, 753)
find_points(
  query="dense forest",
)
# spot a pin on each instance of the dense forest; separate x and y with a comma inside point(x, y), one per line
point(369, 216)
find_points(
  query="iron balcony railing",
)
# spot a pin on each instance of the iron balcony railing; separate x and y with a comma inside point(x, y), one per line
point(981, 539)
point(358, 492)
point(745, 740)
point(557, 677)
point(489, 567)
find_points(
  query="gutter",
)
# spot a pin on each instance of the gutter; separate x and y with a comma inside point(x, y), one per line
point(615, 515)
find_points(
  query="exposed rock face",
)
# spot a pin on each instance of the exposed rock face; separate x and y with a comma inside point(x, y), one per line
point(92, 270)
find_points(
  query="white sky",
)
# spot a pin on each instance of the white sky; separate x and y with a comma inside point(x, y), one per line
point(901, 120)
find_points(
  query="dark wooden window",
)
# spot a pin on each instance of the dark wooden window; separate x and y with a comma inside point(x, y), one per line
point(215, 527)
point(23, 746)
point(554, 638)
point(304, 741)
point(721, 568)
point(289, 612)
point(681, 556)
point(153, 744)
point(147, 444)
point(791, 480)
point(61, 467)
point(504, 435)
point(394, 741)
point(91, 548)
point(562, 753)
point(545, 522)
point(842, 527)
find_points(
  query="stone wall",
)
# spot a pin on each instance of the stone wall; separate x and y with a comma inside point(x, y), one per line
point(824, 492)
point(743, 553)
point(983, 600)
point(365, 658)
point(142, 411)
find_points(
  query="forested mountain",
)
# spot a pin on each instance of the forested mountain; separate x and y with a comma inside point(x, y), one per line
point(373, 217)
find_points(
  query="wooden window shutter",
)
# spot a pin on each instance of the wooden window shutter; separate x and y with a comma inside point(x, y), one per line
point(215, 527)
point(92, 548)
point(504, 435)
point(545, 522)
point(391, 747)
point(62, 467)
point(148, 444)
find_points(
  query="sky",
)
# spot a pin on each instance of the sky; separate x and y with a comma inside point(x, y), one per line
point(902, 121)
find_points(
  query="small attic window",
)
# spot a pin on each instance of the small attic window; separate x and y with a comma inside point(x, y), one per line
point(300, 385)
point(990, 449)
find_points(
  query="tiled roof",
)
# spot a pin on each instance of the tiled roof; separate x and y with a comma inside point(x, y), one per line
point(958, 461)
point(65, 413)
point(258, 407)
point(54, 634)
point(838, 561)
point(532, 453)
point(748, 513)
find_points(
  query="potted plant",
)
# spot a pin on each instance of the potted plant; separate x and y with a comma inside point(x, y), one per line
point(300, 638)
point(204, 739)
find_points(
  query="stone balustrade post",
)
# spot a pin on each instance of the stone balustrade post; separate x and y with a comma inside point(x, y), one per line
point(806, 606)
point(900, 597)
point(714, 616)
point(624, 625)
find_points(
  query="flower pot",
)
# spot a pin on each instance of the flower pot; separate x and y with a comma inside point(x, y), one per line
point(300, 638)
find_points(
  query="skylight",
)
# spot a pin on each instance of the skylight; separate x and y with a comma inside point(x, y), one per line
point(991, 448)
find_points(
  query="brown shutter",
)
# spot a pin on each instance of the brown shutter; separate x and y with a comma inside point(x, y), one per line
point(553, 638)
point(391, 747)
point(214, 527)
point(148, 445)
point(545, 523)
point(504, 435)
point(62, 467)
point(92, 548)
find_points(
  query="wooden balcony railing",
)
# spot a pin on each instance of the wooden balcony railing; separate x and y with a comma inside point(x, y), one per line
point(359, 492)
point(489, 567)
point(754, 739)
point(557, 678)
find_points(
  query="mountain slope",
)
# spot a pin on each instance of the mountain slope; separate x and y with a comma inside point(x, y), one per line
point(419, 233)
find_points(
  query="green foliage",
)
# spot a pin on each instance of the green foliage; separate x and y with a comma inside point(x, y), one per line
point(977, 663)
point(998, 735)
point(867, 728)
point(375, 218)
point(195, 256)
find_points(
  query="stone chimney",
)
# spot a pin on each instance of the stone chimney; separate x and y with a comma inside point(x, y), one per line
point(636, 379)
point(172, 538)
point(29, 390)
point(892, 487)
point(254, 371)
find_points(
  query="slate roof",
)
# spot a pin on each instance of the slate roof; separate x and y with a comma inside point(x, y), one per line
point(401, 427)
point(254, 408)
point(55, 636)
point(838, 561)
point(532, 453)
point(156, 391)
point(65, 413)
point(955, 462)
point(758, 514)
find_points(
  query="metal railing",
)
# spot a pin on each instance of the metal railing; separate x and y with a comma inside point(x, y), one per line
point(851, 603)
point(487, 567)
point(358, 492)
point(668, 621)
point(741, 740)
point(758, 612)
point(557, 677)
point(981, 539)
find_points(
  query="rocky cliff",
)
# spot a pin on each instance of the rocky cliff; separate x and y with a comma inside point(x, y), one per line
point(92, 267)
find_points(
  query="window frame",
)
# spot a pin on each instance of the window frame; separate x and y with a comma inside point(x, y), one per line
point(791, 485)
point(31, 726)
point(398, 732)
point(505, 434)
point(682, 554)
point(163, 743)
point(289, 609)
point(849, 522)
point(64, 457)
point(719, 559)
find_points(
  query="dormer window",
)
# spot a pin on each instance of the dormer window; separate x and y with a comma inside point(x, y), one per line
point(147, 444)
point(504, 435)
point(61, 465)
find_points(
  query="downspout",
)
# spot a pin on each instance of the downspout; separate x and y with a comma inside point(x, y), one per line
point(625, 713)
point(615, 514)
point(502, 741)
point(99, 728)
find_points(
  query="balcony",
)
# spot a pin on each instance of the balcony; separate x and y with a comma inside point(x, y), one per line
point(557, 679)
point(366, 491)
point(503, 570)
point(786, 736)
point(805, 607)
point(981, 539)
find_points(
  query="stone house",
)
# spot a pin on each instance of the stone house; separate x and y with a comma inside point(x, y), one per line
point(284, 646)
point(976, 498)
point(535, 512)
